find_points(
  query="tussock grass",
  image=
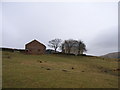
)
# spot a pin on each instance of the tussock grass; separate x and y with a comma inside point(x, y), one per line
point(47, 71)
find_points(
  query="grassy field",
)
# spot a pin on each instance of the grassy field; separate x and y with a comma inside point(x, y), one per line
point(57, 71)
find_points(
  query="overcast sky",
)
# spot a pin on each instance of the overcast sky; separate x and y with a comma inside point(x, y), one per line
point(95, 23)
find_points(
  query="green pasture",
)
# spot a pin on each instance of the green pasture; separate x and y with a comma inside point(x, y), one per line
point(57, 71)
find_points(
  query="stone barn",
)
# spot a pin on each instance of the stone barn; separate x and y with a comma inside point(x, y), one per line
point(35, 47)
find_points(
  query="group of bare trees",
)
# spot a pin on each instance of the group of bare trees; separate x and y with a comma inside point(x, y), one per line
point(68, 46)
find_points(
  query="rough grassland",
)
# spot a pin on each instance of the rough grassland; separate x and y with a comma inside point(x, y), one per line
point(55, 71)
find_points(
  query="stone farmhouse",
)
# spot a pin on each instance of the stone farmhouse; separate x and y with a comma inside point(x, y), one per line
point(35, 47)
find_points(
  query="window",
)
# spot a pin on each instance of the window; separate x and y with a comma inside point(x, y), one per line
point(26, 50)
point(38, 50)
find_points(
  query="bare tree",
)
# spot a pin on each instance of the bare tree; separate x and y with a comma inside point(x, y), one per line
point(62, 47)
point(68, 44)
point(55, 43)
point(81, 47)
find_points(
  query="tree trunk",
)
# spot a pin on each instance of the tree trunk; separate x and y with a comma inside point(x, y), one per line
point(78, 52)
point(55, 50)
point(69, 51)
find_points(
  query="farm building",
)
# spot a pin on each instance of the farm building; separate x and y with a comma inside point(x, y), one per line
point(35, 47)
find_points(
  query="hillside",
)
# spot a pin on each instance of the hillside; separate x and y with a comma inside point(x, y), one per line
point(112, 55)
point(58, 71)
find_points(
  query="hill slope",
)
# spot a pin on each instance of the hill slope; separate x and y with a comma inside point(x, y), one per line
point(112, 55)
point(58, 71)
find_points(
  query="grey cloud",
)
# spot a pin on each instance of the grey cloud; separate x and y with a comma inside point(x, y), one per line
point(105, 42)
point(23, 22)
point(107, 39)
